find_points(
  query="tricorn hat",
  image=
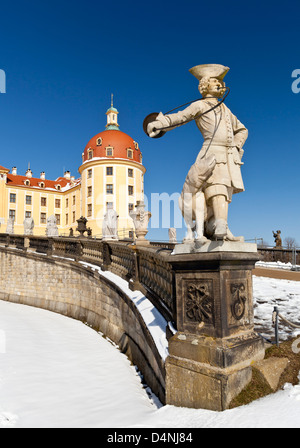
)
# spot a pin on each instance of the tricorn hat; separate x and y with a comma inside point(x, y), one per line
point(209, 71)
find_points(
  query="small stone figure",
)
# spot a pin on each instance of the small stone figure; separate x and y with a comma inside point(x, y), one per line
point(277, 236)
point(110, 225)
point(28, 226)
point(51, 229)
point(10, 226)
point(71, 232)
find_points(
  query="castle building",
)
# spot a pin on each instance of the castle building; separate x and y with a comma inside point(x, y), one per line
point(111, 176)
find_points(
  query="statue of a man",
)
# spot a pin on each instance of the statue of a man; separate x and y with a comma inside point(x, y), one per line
point(216, 174)
point(110, 224)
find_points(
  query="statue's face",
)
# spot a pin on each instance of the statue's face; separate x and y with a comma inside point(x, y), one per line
point(215, 88)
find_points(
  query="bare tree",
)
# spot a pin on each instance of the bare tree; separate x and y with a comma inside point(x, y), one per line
point(290, 242)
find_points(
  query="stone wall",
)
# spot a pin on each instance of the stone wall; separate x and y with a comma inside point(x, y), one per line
point(67, 287)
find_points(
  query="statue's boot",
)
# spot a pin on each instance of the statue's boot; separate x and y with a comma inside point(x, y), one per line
point(231, 237)
point(220, 229)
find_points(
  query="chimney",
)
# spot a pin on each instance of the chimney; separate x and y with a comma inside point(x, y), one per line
point(67, 175)
point(14, 171)
point(29, 173)
point(42, 175)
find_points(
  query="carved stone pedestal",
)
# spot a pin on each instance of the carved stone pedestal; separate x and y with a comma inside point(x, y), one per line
point(210, 356)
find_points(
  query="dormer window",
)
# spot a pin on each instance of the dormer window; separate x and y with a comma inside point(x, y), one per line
point(136, 145)
point(109, 151)
point(90, 154)
point(58, 187)
point(42, 184)
point(27, 182)
point(99, 141)
point(129, 153)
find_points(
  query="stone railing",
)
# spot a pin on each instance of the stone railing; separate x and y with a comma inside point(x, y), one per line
point(145, 268)
point(283, 255)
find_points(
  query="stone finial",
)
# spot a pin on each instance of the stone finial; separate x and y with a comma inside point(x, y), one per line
point(140, 219)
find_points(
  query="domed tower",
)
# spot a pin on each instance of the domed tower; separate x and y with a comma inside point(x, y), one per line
point(112, 176)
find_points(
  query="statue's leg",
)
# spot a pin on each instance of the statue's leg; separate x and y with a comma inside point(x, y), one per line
point(220, 210)
point(186, 207)
point(199, 206)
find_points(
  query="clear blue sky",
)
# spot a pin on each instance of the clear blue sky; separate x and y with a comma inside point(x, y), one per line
point(63, 60)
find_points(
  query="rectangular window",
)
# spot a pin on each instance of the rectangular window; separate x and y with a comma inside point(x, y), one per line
point(57, 203)
point(129, 153)
point(89, 210)
point(57, 219)
point(130, 208)
point(12, 198)
point(67, 203)
point(43, 202)
point(109, 205)
point(27, 214)
point(109, 171)
point(74, 200)
point(90, 172)
point(12, 214)
point(73, 216)
point(67, 219)
point(130, 190)
point(109, 151)
point(109, 189)
point(28, 200)
point(130, 172)
point(43, 218)
point(89, 191)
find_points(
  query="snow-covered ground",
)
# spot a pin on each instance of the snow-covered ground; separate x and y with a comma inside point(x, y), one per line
point(58, 372)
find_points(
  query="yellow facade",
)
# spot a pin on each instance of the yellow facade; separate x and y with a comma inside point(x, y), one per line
point(105, 182)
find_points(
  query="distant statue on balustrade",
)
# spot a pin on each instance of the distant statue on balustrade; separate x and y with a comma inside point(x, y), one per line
point(28, 226)
point(10, 226)
point(52, 229)
point(110, 225)
point(277, 236)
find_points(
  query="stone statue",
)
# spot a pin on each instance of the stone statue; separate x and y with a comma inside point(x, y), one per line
point(28, 226)
point(216, 173)
point(277, 236)
point(110, 225)
point(51, 229)
point(10, 226)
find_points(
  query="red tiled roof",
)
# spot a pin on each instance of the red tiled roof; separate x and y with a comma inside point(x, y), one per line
point(18, 180)
point(3, 169)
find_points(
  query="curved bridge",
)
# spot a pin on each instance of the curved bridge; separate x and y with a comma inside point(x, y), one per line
point(185, 320)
